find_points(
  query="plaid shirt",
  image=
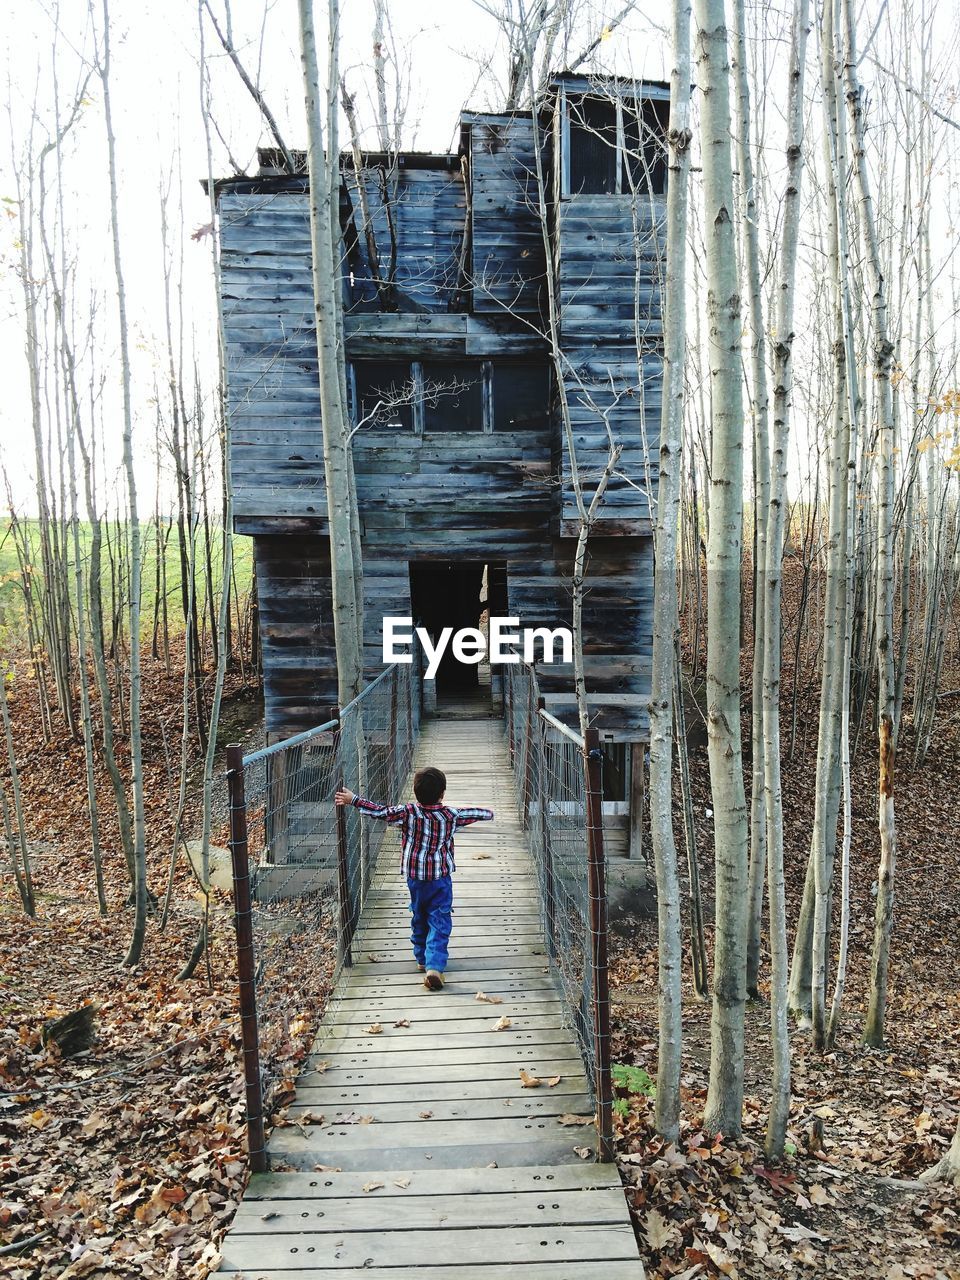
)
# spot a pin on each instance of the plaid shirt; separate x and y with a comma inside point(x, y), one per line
point(426, 831)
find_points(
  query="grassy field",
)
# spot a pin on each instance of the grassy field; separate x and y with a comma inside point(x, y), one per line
point(14, 566)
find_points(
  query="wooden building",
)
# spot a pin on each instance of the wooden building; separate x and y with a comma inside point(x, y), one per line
point(463, 475)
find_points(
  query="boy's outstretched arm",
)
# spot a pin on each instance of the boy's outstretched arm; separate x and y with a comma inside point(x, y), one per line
point(466, 816)
point(387, 812)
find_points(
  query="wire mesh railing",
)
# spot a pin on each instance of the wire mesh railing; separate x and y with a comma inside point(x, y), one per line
point(559, 791)
point(302, 867)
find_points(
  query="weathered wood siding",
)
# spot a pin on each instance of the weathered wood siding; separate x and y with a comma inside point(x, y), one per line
point(507, 252)
point(293, 579)
point(608, 282)
point(495, 497)
point(428, 208)
point(273, 394)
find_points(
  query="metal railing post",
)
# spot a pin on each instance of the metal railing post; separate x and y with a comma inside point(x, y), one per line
point(508, 709)
point(243, 920)
point(343, 877)
point(392, 744)
point(598, 938)
point(528, 764)
point(543, 800)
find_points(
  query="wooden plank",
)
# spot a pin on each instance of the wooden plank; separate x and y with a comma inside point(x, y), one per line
point(330, 1139)
point(360, 1096)
point(575, 1270)
point(429, 1213)
point(399, 1248)
point(544, 1066)
point(473, 1155)
point(538, 1024)
point(516, 1055)
point(503, 1180)
point(436, 1111)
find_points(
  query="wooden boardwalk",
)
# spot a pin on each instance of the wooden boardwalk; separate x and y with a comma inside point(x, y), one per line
point(435, 1162)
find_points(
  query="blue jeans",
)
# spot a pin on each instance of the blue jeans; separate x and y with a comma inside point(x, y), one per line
point(431, 908)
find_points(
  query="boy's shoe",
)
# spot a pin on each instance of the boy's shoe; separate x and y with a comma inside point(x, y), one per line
point(422, 968)
point(434, 980)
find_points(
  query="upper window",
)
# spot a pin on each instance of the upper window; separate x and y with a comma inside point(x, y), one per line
point(452, 396)
point(593, 146)
point(521, 396)
point(383, 394)
point(617, 146)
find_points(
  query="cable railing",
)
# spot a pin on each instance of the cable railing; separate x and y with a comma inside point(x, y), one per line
point(302, 868)
point(560, 790)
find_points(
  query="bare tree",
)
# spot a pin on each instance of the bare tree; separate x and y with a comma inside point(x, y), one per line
point(725, 1094)
point(345, 571)
point(665, 622)
point(772, 580)
point(133, 520)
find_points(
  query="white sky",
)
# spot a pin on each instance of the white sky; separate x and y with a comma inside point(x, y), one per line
point(443, 47)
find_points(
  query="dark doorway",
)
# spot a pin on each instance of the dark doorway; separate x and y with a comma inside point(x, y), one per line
point(457, 594)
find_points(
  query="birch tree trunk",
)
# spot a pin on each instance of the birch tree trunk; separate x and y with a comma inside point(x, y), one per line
point(344, 571)
point(136, 758)
point(782, 403)
point(23, 873)
point(833, 677)
point(947, 1169)
point(663, 678)
point(883, 405)
point(724, 553)
point(761, 490)
point(220, 622)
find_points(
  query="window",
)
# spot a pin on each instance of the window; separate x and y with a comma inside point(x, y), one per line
point(617, 146)
point(593, 146)
point(521, 396)
point(645, 151)
point(383, 394)
point(452, 396)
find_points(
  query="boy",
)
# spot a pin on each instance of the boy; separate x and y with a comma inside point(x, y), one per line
point(426, 831)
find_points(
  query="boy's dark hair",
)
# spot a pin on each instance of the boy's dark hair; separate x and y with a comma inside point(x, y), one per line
point(429, 785)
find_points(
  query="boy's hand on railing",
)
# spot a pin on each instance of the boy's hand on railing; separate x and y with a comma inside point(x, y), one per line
point(343, 796)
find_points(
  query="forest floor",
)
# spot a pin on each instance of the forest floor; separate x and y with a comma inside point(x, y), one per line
point(704, 1208)
point(128, 1160)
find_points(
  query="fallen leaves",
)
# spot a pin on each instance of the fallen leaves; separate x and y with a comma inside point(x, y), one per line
point(658, 1230)
point(402, 1022)
point(503, 1024)
point(426, 1115)
point(529, 1081)
point(402, 1183)
point(374, 1029)
point(568, 1119)
point(161, 1200)
point(485, 999)
point(585, 1153)
point(372, 1186)
point(88, 1262)
point(553, 1081)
